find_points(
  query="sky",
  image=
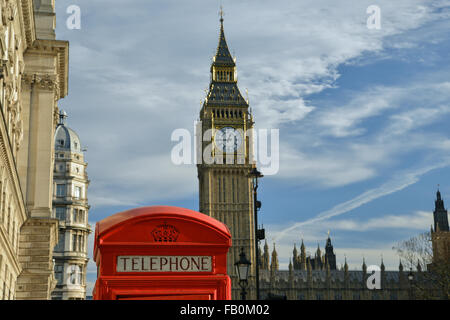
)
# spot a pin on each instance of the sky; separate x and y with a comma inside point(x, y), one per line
point(363, 113)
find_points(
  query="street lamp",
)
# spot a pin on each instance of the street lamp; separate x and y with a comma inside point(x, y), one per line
point(410, 279)
point(254, 174)
point(242, 268)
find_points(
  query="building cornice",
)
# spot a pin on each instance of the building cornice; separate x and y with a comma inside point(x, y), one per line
point(27, 22)
point(60, 80)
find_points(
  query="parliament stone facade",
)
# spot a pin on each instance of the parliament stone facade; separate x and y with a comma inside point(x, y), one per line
point(318, 278)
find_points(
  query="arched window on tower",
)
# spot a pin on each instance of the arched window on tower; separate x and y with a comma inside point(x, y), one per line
point(232, 189)
point(224, 191)
point(220, 193)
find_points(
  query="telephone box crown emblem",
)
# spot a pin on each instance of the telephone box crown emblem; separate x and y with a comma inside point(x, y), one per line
point(165, 233)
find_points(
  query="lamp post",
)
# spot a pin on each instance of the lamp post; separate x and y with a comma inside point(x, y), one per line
point(410, 279)
point(242, 268)
point(254, 174)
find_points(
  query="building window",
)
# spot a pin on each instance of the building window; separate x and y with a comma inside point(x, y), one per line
point(220, 192)
point(59, 273)
point(77, 192)
point(61, 242)
point(78, 242)
point(78, 216)
point(356, 296)
point(224, 191)
point(237, 189)
point(60, 213)
point(60, 190)
point(74, 242)
point(394, 296)
point(75, 274)
point(233, 189)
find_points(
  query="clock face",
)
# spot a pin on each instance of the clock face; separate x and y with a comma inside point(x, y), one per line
point(228, 139)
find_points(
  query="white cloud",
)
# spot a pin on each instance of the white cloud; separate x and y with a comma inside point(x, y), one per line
point(138, 72)
point(418, 220)
point(412, 119)
point(396, 184)
point(327, 168)
point(357, 151)
point(316, 234)
point(341, 121)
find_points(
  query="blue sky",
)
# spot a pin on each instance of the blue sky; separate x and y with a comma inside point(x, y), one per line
point(363, 114)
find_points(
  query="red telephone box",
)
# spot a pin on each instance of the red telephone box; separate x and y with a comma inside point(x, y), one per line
point(161, 253)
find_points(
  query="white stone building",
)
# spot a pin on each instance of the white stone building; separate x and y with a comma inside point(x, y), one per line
point(70, 207)
point(33, 78)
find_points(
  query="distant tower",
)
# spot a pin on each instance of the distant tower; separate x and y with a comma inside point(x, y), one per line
point(266, 258)
point(303, 264)
point(295, 258)
point(440, 236)
point(274, 265)
point(440, 215)
point(330, 257)
point(70, 207)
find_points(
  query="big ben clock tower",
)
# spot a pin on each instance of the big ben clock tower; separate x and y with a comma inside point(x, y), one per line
point(225, 190)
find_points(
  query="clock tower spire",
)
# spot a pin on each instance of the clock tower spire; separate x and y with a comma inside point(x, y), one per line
point(225, 190)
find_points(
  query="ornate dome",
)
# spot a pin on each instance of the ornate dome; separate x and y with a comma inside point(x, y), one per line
point(65, 138)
